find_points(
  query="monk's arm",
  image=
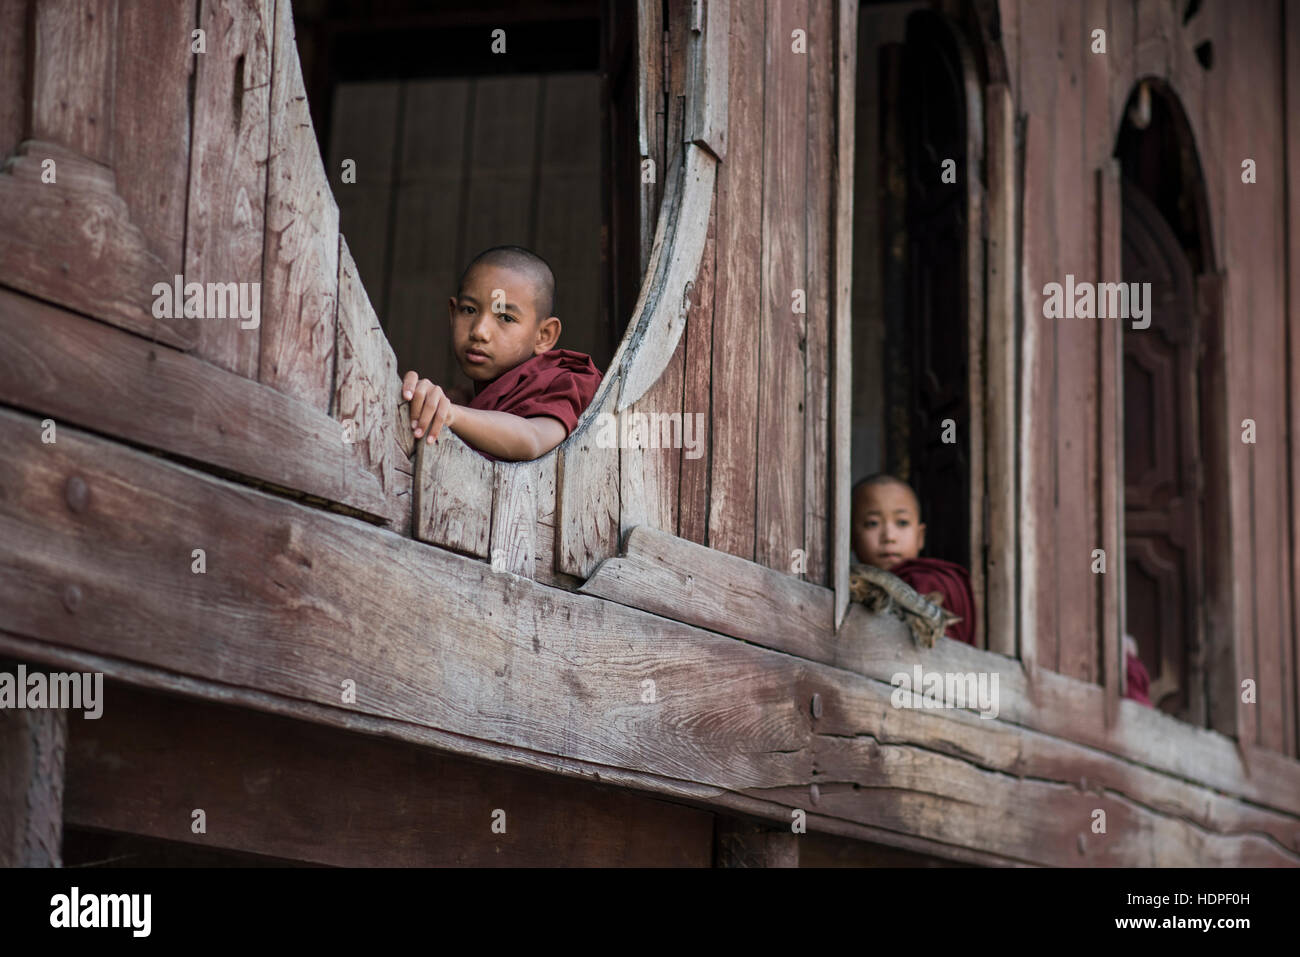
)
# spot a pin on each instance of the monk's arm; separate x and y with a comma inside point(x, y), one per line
point(506, 436)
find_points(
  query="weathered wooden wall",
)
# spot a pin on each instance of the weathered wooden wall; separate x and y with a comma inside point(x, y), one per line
point(1072, 102)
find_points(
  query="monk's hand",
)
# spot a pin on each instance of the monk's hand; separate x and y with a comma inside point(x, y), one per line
point(431, 409)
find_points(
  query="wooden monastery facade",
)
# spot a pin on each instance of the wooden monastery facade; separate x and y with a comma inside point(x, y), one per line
point(641, 656)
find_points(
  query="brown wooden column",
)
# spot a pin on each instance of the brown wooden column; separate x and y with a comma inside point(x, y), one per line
point(31, 786)
point(741, 843)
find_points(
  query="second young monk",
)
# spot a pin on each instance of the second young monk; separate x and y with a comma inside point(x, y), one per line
point(888, 533)
point(528, 394)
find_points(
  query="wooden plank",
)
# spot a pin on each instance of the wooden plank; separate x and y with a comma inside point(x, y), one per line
point(72, 75)
point(514, 518)
point(734, 468)
point(1000, 396)
point(779, 513)
point(428, 249)
point(366, 391)
point(544, 535)
point(697, 393)
point(691, 583)
point(1077, 588)
point(60, 365)
point(1067, 709)
point(277, 785)
point(1110, 440)
point(72, 242)
point(587, 489)
point(650, 463)
point(151, 121)
point(841, 410)
point(706, 83)
point(1291, 100)
point(14, 95)
point(301, 264)
point(226, 221)
point(32, 744)
point(819, 223)
point(453, 495)
point(747, 844)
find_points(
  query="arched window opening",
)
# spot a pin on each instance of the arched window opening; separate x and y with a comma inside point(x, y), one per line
point(1177, 559)
point(463, 138)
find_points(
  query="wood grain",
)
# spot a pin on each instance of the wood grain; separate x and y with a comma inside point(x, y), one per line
point(14, 95)
point(453, 495)
point(226, 220)
point(72, 242)
point(782, 332)
point(690, 583)
point(82, 372)
point(300, 272)
point(514, 518)
point(274, 786)
point(733, 467)
point(72, 75)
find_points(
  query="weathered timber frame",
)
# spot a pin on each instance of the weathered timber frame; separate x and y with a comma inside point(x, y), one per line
point(566, 508)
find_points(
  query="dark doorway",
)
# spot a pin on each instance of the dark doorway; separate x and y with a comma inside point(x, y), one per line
point(1176, 565)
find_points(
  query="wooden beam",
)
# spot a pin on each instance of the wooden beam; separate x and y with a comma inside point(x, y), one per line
point(514, 518)
point(271, 785)
point(1000, 372)
point(60, 365)
point(686, 582)
point(841, 451)
point(31, 786)
point(72, 75)
point(296, 601)
point(1110, 443)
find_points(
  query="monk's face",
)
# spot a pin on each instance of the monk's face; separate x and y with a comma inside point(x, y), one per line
point(494, 322)
point(887, 527)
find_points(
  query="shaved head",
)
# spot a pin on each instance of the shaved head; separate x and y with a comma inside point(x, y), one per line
point(527, 263)
point(884, 478)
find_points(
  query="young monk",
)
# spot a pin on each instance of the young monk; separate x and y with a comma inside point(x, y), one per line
point(528, 395)
point(888, 533)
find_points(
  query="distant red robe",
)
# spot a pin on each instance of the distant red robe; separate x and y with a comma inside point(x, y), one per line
point(1139, 682)
point(560, 383)
point(950, 580)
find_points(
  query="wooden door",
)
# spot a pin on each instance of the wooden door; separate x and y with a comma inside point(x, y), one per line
point(1162, 458)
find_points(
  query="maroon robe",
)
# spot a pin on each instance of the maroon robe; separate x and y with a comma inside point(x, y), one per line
point(560, 383)
point(1139, 682)
point(950, 580)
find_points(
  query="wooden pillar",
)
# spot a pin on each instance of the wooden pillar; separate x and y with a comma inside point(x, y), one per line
point(31, 787)
point(739, 843)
